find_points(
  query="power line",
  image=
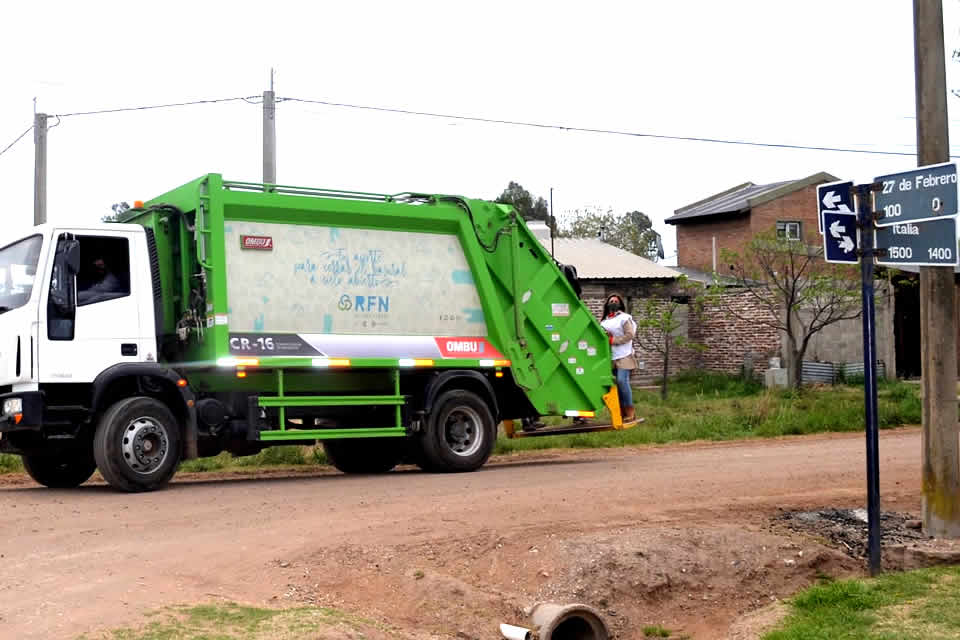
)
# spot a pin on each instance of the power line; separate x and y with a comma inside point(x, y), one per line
point(634, 134)
point(5, 149)
point(153, 106)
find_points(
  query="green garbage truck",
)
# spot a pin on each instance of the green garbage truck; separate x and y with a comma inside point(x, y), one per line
point(232, 316)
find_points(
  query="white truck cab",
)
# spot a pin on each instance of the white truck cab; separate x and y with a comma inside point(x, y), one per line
point(60, 327)
point(77, 331)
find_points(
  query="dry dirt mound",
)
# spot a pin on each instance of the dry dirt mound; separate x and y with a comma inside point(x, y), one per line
point(692, 580)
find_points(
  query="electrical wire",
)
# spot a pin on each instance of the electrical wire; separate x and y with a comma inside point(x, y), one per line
point(634, 134)
point(153, 106)
point(7, 148)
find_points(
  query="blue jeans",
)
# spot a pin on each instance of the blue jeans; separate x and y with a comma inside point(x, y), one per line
point(623, 387)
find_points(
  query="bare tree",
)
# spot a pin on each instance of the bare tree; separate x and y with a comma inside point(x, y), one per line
point(801, 293)
point(660, 316)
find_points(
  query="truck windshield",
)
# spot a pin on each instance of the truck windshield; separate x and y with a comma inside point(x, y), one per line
point(18, 269)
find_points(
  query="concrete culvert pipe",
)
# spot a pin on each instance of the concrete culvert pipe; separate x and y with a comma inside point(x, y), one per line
point(568, 622)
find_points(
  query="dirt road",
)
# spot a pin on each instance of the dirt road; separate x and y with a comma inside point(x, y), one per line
point(678, 535)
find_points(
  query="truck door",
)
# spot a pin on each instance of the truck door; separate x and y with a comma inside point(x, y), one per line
point(102, 328)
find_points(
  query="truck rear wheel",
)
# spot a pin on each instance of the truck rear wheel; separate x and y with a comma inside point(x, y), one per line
point(64, 469)
point(364, 455)
point(137, 445)
point(459, 434)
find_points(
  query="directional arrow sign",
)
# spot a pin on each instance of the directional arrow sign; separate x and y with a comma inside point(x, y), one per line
point(840, 237)
point(834, 197)
point(930, 244)
point(926, 193)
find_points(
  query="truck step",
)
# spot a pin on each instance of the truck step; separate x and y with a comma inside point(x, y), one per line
point(560, 431)
point(333, 434)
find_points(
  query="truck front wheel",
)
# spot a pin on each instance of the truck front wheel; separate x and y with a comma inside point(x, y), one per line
point(137, 444)
point(459, 434)
point(63, 469)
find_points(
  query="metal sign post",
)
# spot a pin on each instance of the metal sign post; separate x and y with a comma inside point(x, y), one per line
point(865, 214)
point(902, 218)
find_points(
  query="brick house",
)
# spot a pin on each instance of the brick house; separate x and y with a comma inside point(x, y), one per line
point(730, 219)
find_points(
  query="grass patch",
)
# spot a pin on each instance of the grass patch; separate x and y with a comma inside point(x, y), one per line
point(700, 406)
point(279, 456)
point(10, 463)
point(709, 406)
point(655, 631)
point(236, 622)
point(916, 605)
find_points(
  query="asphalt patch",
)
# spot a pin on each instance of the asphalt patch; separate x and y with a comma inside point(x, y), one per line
point(846, 529)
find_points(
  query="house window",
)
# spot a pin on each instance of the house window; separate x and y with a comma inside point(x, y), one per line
point(788, 230)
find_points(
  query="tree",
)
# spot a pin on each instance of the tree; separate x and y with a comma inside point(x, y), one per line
point(631, 232)
point(119, 210)
point(524, 203)
point(659, 317)
point(801, 293)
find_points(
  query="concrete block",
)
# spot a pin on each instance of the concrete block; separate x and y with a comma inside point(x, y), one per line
point(775, 378)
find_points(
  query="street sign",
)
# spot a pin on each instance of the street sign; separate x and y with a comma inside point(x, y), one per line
point(926, 193)
point(840, 237)
point(834, 197)
point(925, 244)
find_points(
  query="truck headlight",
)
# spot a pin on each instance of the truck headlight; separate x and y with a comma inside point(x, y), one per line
point(13, 405)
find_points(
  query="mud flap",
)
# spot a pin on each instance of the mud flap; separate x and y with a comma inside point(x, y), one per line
point(612, 400)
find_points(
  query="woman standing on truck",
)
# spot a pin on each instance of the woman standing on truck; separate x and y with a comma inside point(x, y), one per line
point(621, 328)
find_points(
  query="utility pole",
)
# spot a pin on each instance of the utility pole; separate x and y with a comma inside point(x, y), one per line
point(269, 135)
point(938, 342)
point(553, 223)
point(39, 168)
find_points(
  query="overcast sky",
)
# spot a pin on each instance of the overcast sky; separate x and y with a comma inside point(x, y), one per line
point(833, 73)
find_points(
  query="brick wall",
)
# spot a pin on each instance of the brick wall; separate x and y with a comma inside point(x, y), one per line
point(729, 341)
point(695, 240)
point(799, 206)
point(681, 358)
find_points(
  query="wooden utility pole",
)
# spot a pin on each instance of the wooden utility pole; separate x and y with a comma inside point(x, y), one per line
point(938, 343)
point(39, 168)
point(269, 135)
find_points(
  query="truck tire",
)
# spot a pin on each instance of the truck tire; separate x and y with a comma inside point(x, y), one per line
point(64, 469)
point(459, 434)
point(363, 455)
point(137, 445)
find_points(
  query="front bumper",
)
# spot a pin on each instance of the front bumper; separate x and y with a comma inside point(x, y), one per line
point(30, 418)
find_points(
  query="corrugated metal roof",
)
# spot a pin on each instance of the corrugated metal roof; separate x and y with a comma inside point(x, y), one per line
point(731, 201)
point(744, 196)
point(595, 259)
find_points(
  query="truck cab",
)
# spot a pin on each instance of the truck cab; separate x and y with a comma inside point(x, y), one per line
point(76, 303)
